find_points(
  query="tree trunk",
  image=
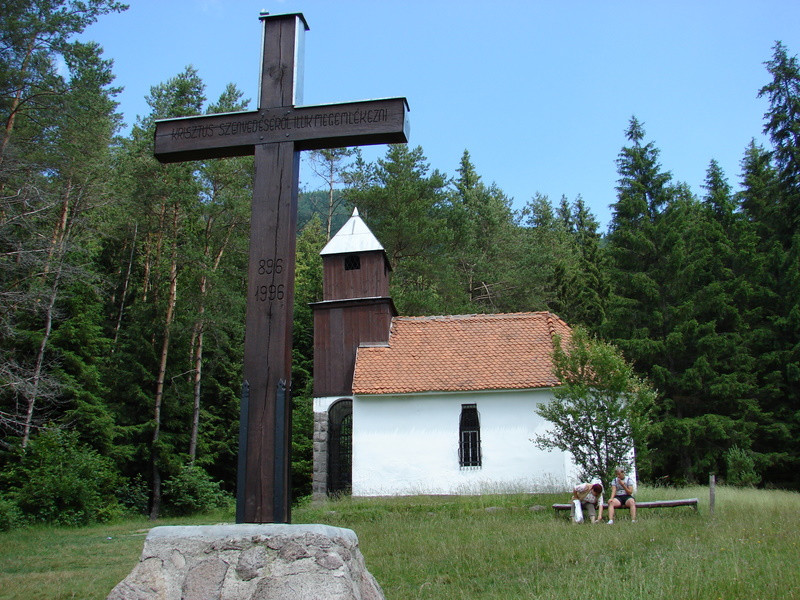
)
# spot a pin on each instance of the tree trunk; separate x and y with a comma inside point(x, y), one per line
point(150, 260)
point(330, 205)
point(198, 374)
point(125, 284)
point(16, 101)
point(162, 369)
point(36, 377)
point(198, 338)
point(60, 229)
point(56, 249)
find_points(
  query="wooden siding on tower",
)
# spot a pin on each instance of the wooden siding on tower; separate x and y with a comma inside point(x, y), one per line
point(339, 328)
point(370, 281)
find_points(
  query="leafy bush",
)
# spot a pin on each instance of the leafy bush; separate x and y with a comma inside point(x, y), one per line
point(10, 516)
point(601, 409)
point(58, 480)
point(192, 491)
point(133, 494)
point(741, 467)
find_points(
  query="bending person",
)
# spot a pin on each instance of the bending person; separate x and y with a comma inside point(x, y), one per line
point(590, 496)
point(621, 495)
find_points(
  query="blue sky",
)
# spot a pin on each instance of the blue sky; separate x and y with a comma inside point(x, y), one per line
point(540, 93)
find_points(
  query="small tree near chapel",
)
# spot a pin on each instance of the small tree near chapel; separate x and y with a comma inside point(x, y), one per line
point(602, 409)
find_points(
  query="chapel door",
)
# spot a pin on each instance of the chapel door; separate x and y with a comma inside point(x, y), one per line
point(340, 447)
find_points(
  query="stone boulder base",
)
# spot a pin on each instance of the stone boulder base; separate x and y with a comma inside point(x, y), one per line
point(249, 562)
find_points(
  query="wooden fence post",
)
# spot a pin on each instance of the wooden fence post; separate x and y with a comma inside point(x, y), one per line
point(712, 491)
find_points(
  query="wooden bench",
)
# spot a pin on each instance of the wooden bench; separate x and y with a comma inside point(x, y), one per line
point(653, 504)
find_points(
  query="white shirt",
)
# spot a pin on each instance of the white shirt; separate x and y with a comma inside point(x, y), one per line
point(621, 490)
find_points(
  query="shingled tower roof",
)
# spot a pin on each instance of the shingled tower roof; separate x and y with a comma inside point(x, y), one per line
point(461, 353)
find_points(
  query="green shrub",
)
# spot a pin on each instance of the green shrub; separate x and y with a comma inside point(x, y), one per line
point(133, 494)
point(10, 516)
point(58, 480)
point(192, 491)
point(740, 466)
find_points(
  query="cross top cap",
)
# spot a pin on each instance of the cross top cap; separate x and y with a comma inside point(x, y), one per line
point(264, 16)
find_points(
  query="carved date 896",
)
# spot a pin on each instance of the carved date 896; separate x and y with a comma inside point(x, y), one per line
point(268, 266)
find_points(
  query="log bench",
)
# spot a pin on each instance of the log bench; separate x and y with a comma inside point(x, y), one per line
point(652, 504)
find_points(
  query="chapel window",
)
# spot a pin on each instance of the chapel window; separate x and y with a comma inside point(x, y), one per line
point(469, 431)
point(352, 262)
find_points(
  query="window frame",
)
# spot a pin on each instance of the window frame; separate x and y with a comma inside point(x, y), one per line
point(470, 455)
point(352, 262)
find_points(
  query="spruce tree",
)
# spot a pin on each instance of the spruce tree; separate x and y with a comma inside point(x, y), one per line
point(401, 199)
point(164, 201)
point(779, 224)
point(484, 250)
point(650, 310)
point(548, 257)
point(56, 160)
point(582, 286)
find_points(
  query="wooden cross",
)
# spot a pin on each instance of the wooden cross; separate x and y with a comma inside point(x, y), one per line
point(275, 133)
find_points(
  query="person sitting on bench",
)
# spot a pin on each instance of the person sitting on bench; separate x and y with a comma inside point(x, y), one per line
point(621, 495)
point(590, 497)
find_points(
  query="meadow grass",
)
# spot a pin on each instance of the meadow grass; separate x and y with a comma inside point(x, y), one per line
point(60, 563)
point(484, 547)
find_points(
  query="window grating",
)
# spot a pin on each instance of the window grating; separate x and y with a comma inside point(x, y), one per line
point(469, 443)
point(340, 447)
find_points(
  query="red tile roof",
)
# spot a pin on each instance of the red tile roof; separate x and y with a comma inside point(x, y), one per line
point(461, 353)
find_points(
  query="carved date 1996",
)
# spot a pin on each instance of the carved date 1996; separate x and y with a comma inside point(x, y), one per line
point(270, 292)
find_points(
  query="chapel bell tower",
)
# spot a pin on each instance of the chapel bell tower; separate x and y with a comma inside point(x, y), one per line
point(355, 309)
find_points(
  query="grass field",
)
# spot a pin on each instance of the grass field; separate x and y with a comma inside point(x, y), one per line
point(486, 547)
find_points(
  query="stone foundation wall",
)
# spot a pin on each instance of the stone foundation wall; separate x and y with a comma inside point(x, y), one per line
point(319, 482)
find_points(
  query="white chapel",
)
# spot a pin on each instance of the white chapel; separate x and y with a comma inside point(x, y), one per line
point(425, 405)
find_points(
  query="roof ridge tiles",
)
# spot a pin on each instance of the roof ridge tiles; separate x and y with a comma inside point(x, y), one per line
point(464, 317)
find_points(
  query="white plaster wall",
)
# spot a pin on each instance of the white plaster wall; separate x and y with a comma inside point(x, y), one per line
point(323, 403)
point(409, 445)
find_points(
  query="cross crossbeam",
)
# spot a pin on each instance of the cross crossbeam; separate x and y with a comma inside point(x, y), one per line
point(309, 127)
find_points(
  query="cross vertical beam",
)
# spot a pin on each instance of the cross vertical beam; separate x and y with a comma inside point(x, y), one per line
point(275, 134)
point(270, 293)
point(268, 330)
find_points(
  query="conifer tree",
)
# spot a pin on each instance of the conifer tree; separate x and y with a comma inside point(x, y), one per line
point(308, 289)
point(548, 256)
point(164, 201)
point(484, 249)
point(329, 165)
point(402, 200)
point(780, 365)
point(33, 34)
point(647, 312)
point(637, 249)
point(582, 286)
point(224, 211)
point(56, 161)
